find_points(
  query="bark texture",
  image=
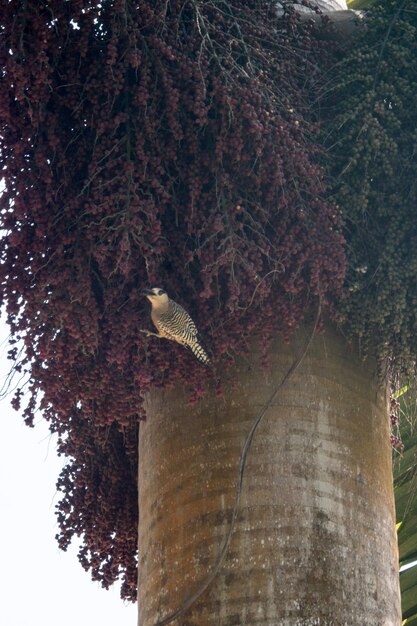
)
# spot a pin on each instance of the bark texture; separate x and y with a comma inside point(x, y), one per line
point(315, 541)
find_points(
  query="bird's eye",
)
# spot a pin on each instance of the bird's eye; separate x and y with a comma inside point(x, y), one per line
point(161, 292)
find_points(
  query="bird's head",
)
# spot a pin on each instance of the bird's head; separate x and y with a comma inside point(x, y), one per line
point(156, 295)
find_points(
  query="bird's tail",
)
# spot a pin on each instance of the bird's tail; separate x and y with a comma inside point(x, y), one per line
point(200, 353)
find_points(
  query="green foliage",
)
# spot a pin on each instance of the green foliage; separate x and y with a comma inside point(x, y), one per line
point(373, 143)
point(405, 485)
point(360, 5)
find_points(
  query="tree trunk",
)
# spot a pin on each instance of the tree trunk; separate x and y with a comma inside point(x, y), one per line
point(314, 541)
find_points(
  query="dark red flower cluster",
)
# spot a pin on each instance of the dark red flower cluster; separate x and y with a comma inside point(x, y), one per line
point(150, 143)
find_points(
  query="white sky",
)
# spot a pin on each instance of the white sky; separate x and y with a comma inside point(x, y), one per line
point(41, 585)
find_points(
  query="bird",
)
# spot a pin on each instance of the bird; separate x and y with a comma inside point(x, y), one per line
point(173, 322)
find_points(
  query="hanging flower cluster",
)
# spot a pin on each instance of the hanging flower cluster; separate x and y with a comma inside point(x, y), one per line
point(374, 138)
point(150, 143)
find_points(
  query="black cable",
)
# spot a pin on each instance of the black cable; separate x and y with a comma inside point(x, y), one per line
point(242, 462)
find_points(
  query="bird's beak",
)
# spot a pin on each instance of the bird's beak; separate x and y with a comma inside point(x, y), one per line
point(147, 292)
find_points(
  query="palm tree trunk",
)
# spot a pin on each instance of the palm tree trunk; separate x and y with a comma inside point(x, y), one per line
point(315, 539)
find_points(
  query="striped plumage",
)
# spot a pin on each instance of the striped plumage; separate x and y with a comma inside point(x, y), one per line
point(173, 322)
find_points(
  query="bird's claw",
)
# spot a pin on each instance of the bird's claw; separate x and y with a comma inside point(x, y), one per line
point(148, 333)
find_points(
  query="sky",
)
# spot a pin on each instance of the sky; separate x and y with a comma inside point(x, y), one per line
point(41, 585)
